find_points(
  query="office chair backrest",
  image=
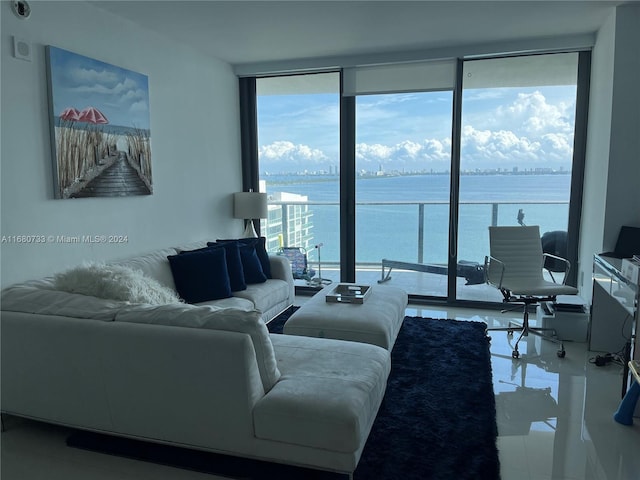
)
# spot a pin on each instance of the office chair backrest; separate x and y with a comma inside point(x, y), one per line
point(520, 249)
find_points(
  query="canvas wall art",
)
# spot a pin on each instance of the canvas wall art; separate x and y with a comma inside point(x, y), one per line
point(100, 127)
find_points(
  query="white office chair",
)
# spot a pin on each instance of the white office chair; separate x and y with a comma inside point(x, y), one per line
point(515, 267)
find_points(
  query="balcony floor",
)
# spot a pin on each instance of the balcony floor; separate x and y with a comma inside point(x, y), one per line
point(414, 283)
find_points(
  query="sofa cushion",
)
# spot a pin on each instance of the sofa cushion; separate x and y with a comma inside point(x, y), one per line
point(154, 265)
point(116, 282)
point(265, 295)
point(328, 394)
point(228, 319)
point(261, 250)
point(201, 275)
point(231, 302)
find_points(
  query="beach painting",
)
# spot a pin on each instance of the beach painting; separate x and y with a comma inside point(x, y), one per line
point(100, 127)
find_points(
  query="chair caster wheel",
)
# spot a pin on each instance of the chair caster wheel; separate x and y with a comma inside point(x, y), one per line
point(515, 354)
point(561, 353)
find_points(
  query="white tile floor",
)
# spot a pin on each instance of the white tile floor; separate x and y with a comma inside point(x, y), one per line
point(554, 416)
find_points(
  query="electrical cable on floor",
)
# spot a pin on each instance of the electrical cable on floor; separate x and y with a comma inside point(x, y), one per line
point(617, 358)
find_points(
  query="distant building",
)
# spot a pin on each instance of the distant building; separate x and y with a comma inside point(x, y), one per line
point(287, 225)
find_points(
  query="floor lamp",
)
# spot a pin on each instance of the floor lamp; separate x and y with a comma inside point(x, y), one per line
point(319, 280)
point(249, 206)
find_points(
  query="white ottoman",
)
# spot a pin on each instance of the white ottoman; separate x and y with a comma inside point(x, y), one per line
point(376, 321)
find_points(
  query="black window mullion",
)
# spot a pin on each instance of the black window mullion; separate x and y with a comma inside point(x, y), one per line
point(577, 169)
point(249, 133)
point(249, 137)
point(347, 188)
point(454, 190)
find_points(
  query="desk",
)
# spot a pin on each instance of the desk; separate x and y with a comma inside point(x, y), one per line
point(614, 312)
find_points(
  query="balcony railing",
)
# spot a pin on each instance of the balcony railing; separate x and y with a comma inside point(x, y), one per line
point(411, 231)
point(406, 231)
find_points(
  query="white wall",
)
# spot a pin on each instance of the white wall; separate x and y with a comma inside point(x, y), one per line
point(597, 154)
point(612, 170)
point(623, 181)
point(195, 142)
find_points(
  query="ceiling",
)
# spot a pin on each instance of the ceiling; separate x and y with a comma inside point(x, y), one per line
point(244, 32)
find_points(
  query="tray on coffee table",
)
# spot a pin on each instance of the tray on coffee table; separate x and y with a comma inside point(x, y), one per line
point(348, 293)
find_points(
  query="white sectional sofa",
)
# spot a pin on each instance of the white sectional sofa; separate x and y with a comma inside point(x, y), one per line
point(207, 376)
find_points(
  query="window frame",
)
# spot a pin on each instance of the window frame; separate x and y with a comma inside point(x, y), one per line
point(250, 170)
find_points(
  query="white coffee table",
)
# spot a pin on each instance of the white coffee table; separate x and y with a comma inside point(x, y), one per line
point(376, 321)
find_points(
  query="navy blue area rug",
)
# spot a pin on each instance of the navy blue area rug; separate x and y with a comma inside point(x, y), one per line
point(437, 420)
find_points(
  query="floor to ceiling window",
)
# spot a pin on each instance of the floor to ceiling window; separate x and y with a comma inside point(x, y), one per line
point(298, 123)
point(517, 136)
point(429, 166)
point(403, 165)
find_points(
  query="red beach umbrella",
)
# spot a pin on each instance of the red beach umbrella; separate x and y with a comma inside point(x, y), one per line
point(70, 114)
point(92, 115)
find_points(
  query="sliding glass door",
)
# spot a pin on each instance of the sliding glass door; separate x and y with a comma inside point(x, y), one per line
point(403, 165)
point(516, 162)
point(298, 122)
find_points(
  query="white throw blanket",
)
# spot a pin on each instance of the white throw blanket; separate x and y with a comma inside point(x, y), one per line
point(114, 282)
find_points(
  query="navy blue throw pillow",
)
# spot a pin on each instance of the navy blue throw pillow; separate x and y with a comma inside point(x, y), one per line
point(251, 265)
point(234, 263)
point(201, 275)
point(261, 251)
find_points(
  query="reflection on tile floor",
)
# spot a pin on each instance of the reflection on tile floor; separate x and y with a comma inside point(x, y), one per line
point(554, 418)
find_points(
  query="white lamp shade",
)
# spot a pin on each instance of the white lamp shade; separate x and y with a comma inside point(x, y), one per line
point(249, 205)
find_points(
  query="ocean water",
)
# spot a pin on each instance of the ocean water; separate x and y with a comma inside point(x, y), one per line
point(388, 212)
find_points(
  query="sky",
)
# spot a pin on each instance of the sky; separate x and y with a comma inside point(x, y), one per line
point(80, 82)
point(502, 128)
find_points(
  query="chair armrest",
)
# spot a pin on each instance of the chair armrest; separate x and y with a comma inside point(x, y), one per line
point(567, 265)
point(493, 271)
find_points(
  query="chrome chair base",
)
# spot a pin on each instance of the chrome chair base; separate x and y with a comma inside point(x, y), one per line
point(525, 330)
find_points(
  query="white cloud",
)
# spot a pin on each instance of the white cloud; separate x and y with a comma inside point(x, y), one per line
point(530, 113)
point(404, 155)
point(92, 76)
point(375, 152)
point(528, 132)
point(505, 149)
point(139, 107)
point(502, 144)
point(285, 151)
point(125, 90)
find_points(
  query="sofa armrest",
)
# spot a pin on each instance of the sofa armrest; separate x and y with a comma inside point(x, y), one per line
point(186, 385)
point(281, 269)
